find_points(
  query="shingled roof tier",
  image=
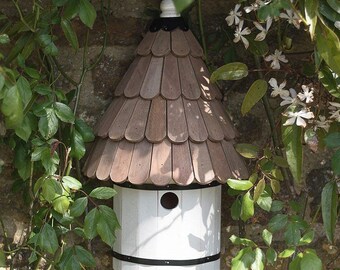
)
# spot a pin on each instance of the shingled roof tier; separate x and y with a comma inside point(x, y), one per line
point(167, 124)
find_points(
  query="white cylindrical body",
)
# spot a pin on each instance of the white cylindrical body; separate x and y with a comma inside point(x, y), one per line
point(155, 238)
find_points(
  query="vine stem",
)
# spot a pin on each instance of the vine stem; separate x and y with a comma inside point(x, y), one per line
point(200, 19)
point(274, 133)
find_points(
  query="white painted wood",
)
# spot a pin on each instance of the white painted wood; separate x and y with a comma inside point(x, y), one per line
point(189, 231)
point(168, 9)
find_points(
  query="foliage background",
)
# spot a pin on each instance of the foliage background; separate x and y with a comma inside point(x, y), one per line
point(127, 21)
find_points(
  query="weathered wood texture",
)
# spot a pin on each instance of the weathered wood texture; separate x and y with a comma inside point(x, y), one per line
point(167, 123)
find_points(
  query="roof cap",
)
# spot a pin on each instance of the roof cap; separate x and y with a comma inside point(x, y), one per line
point(168, 9)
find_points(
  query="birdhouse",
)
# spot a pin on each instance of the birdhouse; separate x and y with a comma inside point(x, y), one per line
point(167, 145)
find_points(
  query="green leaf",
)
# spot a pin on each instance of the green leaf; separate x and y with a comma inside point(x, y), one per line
point(24, 130)
point(247, 210)
point(267, 237)
point(48, 45)
point(243, 260)
point(328, 46)
point(259, 189)
point(292, 234)
point(50, 189)
point(64, 112)
point(329, 81)
point(70, 34)
point(49, 161)
point(296, 262)
point(74, 258)
point(272, 9)
point(87, 13)
point(33, 73)
point(333, 140)
point(231, 71)
point(271, 256)
point(239, 184)
point(103, 193)
point(2, 83)
point(336, 162)
point(2, 259)
point(42, 89)
point(59, 3)
point(77, 145)
point(280, 161)
point(33, 257)
point(334, 4)
point(310, 261)
point(24, 90)
point(84, 257)
point(277, 222)
point(12, 108)
point(4, 39)
point(78, 207)
point(311, 8)
point(235, 209)
point(71, 182)
point(247, 150)
point(61, 204)
point(292, 136)
point(258, 264)
point(329, 204)
point(275, 185)
point(328, 12)
point(307, 238)
point(90, 224)
point(181, 5)
point(107, 224)
point(84, 130)
point(48, 124)
point(258, 48)
point(276, 206)
point(47, 239)
point(256, 91)
point(242, 241)
point(71, 9)
point(287, 253)
point(265, 200)
point(105, 232)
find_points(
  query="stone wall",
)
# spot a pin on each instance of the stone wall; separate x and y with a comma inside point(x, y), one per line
point(127, 23)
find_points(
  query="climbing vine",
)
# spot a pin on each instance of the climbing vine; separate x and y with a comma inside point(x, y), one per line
point(302, 105)
point(39, 123)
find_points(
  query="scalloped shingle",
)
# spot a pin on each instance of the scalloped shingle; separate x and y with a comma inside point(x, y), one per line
point(167, 123)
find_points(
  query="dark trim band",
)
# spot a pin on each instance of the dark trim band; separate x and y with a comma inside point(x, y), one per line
point(167, 187)
point(144, 261)
point(168, 24)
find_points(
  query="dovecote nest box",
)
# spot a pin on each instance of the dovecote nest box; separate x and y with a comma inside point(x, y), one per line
point(167, 144)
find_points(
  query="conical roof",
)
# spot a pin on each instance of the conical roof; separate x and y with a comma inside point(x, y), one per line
point(166, 124)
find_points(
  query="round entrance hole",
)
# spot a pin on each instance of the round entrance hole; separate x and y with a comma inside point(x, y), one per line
point(169, 200)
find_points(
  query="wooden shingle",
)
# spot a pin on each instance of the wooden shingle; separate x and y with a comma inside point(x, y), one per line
point(167, 123)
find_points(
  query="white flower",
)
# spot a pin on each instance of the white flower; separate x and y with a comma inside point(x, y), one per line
point(307, 94)
point(292, 18)
point(298, 117)
point(264, 31)
point(337, 25)
point(239, 34)
point(278, 90)
point(289, 99)
point(322, 123)
point(234, 16)
point(255, 6)
point(335, 111)
point(276, 58)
